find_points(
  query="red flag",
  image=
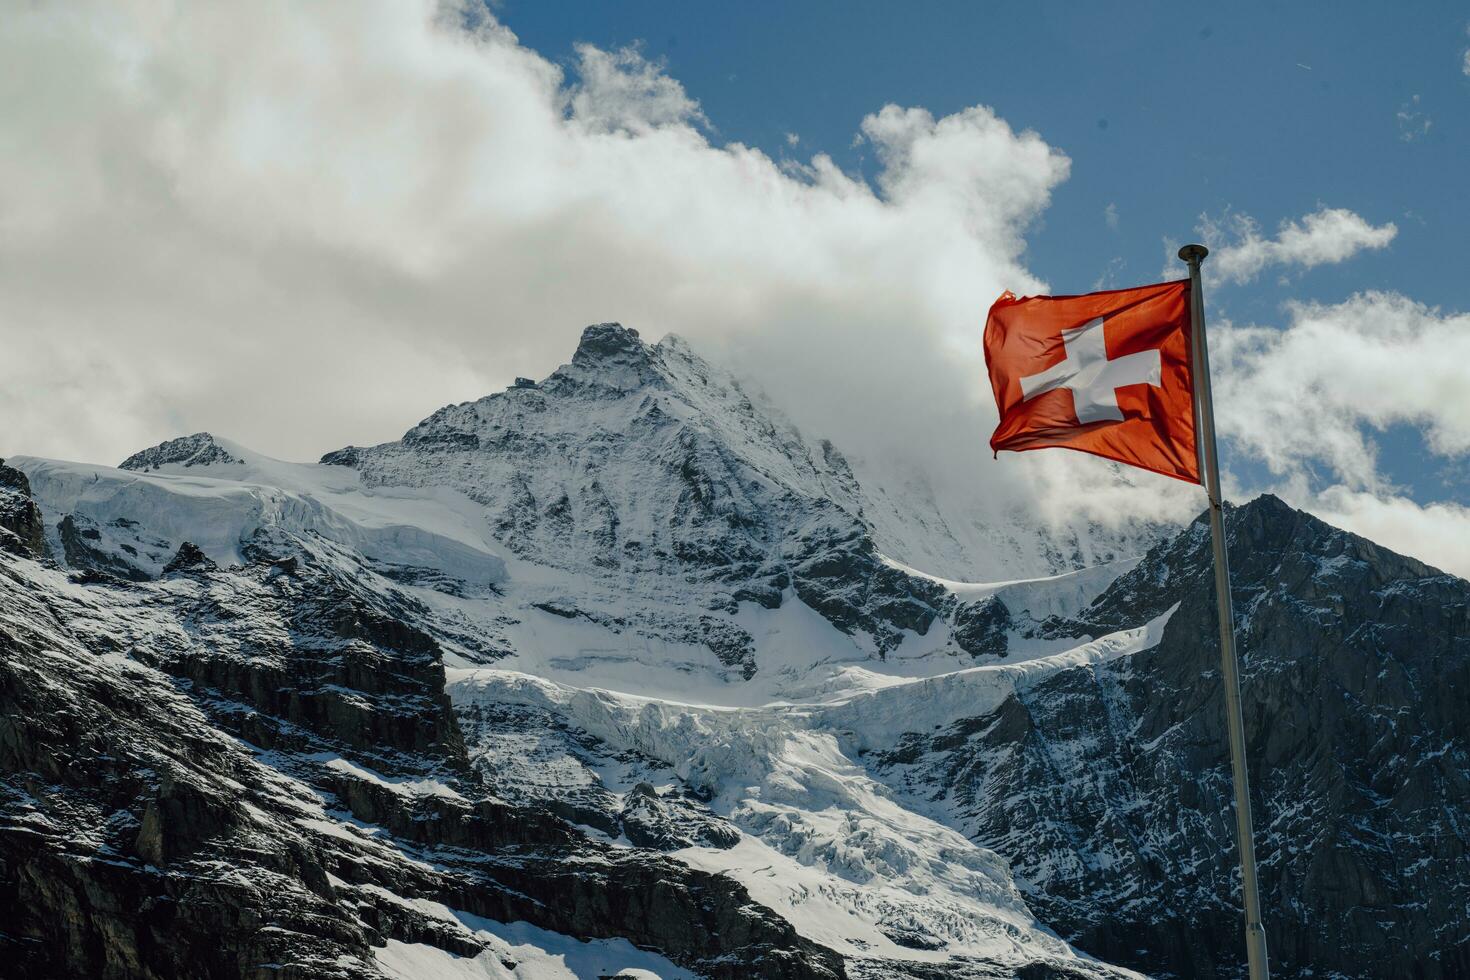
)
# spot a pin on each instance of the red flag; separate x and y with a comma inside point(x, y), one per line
point(1106, 373)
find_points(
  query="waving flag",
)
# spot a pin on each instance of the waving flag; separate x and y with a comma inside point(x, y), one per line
point(1106, 373)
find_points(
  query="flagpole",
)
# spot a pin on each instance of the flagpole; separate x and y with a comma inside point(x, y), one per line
point(1255, 933)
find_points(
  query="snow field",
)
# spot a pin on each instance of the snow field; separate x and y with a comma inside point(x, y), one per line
point(849, 862)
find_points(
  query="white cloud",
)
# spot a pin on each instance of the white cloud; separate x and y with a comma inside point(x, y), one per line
point(621, 91)
point(304, 225)
point(311, 224)
point(1309, 400)
point(1306, 393)
point(1435, 533)
point(1325, 237)
point(1110, 215)
point(1109, 278)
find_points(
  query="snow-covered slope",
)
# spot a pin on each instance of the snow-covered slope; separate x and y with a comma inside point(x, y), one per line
point(822, 840)
point(138, 518)
point(693, 652)
point(633, 537)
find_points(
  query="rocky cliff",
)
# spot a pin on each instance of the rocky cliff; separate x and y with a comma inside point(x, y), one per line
point(1110, 784)
point(257, 772)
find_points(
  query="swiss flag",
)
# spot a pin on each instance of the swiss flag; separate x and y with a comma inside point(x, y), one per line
point(1107, 373)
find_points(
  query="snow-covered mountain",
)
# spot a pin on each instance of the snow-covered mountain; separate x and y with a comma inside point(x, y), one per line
point(617, 671)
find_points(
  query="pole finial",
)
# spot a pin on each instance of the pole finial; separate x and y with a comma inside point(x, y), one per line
point(1193, 253)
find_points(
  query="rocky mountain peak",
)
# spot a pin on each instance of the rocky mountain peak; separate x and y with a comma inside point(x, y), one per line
point(608, 341)
point(1272, 534)
point(610, 358)
point(199, 449)
point(1272, 545)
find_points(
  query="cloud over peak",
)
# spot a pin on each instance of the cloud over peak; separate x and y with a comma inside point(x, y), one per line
point(307, 225)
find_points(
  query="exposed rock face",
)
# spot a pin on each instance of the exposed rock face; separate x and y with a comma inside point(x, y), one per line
point(200, 449)
point(1109, 785)
point(191, 808)
point(347, 456)
point(519, 750)
point(980, 628)
point(82, 545)
point(19, 515)
point(189, 558)
point(669, 825)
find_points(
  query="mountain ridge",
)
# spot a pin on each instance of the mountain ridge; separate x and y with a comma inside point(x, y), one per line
point(619, 656)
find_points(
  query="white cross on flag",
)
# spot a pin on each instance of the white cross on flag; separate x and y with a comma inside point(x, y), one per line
point(1105, 373)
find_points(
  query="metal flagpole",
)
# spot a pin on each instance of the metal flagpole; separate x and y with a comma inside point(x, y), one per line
point(1255, 933)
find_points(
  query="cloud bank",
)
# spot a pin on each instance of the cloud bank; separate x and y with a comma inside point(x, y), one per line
point(307, 225)
point(1324, 237)
point(1310, 399)
point(1313, 392)
point(304, 226)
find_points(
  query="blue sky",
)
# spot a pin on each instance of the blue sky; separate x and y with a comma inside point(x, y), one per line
point(1167, 111)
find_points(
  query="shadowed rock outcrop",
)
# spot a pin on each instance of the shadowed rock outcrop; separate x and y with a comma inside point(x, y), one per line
point(19, 514)
point(183, 771)
point(1109, 785)
point(199, 449)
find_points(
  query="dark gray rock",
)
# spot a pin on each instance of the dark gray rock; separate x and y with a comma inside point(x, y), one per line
point(671, 823)
point(346, 456)
point(1108, 786)
point(838, 572)
point(190, 559)
point(981, 628)
point(19, 514)
point(83, 547)
point(732, 645)
point(182, 767)
point(609, 342)
point(199, 449)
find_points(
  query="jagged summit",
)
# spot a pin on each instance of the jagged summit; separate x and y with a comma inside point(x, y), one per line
point(1273, 525)
point(649, 461)
point(606, 341)
point(1269, 540)
point(613, 357)
point(199, 449)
